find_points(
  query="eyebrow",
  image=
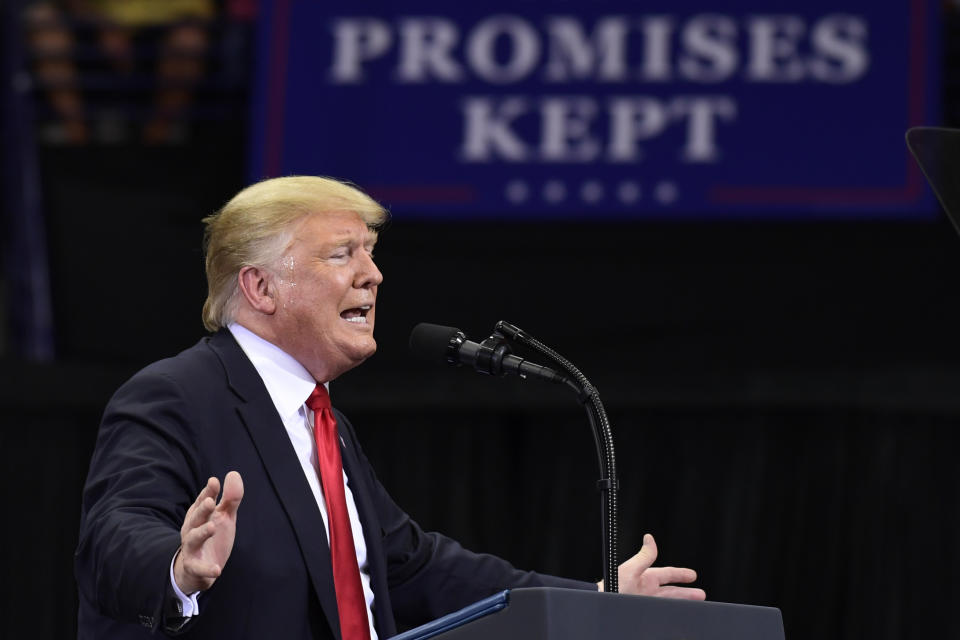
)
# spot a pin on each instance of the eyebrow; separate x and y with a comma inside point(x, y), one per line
point(347, 239)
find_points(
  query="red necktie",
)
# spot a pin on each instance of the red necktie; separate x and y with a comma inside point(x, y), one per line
point(351, 603)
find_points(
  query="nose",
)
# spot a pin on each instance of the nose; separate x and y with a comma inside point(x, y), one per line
point(368, 275)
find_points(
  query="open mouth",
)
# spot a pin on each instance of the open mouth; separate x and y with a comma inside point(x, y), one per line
point(356, 315)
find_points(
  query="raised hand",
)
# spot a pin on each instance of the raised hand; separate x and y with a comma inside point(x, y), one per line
point(637, 576)
point(207, 534)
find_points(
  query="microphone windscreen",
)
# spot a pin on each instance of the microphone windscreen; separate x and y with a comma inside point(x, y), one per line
point(431, 341)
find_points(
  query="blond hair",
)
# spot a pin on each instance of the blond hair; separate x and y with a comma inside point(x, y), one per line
point(256, 227)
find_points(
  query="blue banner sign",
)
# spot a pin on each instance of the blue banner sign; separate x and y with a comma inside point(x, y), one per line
point(613, 109)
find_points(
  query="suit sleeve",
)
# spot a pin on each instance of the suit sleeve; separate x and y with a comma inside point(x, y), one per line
point(142, 479)
point(430, 575)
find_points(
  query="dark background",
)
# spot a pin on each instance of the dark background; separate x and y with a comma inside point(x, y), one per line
point(784, 397)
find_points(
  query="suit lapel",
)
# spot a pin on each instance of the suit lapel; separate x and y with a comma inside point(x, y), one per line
point(269, 436)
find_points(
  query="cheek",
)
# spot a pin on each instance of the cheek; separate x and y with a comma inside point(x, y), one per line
point(315, 299)
point(288, 293)
point(288, 289)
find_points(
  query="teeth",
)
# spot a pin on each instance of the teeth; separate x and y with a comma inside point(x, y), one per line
point(366, 307)
point(357, 320)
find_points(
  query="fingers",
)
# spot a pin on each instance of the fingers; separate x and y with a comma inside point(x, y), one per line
point(210, 490)
point(199, 513)
point(682, 593)
point(638, 576)
point(203, 506)
point(195, 537)
point(199, 524)
point(207, 534)
point(672, 575)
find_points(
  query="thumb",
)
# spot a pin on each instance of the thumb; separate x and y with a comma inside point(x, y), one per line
point(647, 555)
point(232, 493)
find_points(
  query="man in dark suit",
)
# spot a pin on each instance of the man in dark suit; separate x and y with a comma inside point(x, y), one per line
point(321, 550)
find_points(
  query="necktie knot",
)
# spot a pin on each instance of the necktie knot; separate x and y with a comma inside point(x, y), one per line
point(319, 399)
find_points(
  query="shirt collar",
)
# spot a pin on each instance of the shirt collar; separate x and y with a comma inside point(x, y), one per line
point(288, 382)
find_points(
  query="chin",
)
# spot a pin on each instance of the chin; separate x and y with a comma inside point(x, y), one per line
point(371, 349)
point(359, 353)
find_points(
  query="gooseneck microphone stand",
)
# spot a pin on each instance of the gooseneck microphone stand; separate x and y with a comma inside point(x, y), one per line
point(602, 436)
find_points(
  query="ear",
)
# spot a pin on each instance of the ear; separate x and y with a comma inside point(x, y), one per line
point(256, 286)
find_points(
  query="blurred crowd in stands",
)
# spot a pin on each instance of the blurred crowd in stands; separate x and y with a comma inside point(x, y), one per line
point(118, 71)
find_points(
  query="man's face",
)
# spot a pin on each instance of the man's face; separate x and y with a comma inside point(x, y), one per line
point(326, 287)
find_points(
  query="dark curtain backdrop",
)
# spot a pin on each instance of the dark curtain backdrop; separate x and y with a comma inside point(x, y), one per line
point(845, 519)
point(783, 396)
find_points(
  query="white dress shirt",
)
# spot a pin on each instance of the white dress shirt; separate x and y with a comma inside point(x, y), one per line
point(289, 385)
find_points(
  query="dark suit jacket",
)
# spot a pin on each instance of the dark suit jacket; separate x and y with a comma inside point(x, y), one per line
point(206, 412)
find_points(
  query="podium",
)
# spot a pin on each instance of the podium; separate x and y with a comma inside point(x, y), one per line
point(568, 614)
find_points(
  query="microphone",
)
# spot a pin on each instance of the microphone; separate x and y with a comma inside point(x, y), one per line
point(437, 343)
